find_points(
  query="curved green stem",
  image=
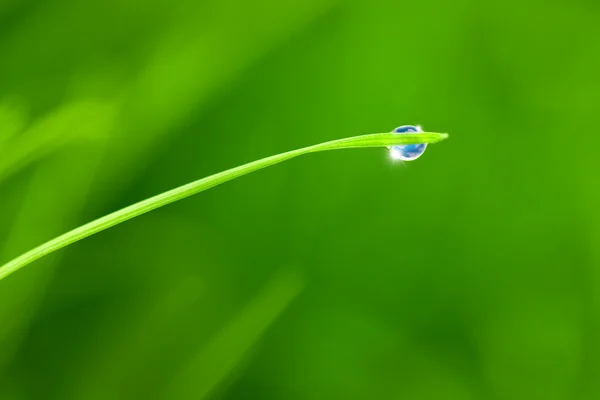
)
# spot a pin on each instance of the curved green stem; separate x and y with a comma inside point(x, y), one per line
point(132, 211)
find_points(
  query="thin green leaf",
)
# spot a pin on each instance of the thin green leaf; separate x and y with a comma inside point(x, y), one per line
point(127, 213)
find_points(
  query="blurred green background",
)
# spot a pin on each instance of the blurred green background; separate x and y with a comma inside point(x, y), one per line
point(472, 273)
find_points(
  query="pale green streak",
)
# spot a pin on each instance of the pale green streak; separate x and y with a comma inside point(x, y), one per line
point(212, 366)
point(132, 211)
point(73, 122)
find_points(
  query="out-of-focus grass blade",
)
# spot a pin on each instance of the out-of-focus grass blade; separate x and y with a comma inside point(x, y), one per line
point(134, 343)
point(37, 220)
point(60, 128)
point(127, 213)
point(192, 63)
point(211, 366)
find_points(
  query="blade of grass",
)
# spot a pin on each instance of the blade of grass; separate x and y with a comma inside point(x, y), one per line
point(69, 123)
point(212, 366)
point(127, 213)
point(136, 339)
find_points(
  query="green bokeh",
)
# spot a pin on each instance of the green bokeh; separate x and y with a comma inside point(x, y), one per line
point(472, 273)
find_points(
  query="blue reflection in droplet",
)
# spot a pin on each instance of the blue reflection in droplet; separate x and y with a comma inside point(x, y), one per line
point(407, 152)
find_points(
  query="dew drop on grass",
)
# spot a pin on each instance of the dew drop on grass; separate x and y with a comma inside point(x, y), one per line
point(407, 152)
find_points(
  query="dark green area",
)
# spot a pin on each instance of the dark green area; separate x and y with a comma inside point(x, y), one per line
point(471, 273)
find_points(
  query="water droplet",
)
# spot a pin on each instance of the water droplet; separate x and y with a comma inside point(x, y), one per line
point(407, 152)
